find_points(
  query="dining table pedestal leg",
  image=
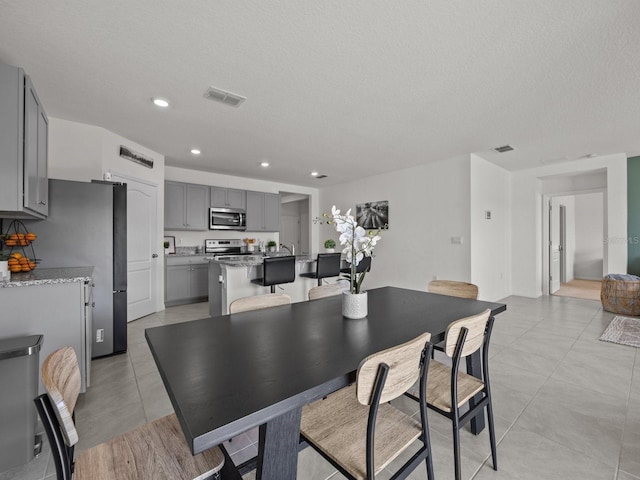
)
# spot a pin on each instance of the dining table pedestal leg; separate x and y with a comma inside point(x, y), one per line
point(278, 447)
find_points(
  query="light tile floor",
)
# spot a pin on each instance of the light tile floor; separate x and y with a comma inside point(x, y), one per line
point(567, 405)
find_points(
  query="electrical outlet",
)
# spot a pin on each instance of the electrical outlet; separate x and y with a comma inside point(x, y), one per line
point(100, 335)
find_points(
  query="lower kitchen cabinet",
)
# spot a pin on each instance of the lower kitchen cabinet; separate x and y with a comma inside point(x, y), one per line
point(186, 280)
point(62, 312)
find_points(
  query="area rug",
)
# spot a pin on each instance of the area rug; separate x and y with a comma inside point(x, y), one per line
point(623, 330)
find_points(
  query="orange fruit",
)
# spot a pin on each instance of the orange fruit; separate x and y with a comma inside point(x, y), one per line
point(31, 236)
point(13, 236)
point(16, 255)
point(25, 268)
point(32, 265)
point(15, 268)
point(10, 243)
point(23, 242)
point(20, 236)
point(24, 261)
point(13, 261)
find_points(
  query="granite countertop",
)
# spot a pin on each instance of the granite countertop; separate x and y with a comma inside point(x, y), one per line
point(47, 276)
point(255, 260)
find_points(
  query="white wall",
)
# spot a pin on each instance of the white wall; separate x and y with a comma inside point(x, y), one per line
point(83, 153)
point(428, 205)
point(207, 178)
point(527, 219)
point(589, 236)
point(490, 239)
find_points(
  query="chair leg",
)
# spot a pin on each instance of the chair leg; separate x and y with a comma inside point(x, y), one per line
point(273, 289)
point(492, 435)
point(456, 450)
point(429, 466)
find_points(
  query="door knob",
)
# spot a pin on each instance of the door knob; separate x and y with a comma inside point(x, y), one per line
point(155, 255)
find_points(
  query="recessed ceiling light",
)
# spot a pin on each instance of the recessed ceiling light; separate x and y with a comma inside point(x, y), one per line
point(264, 164)
point(195, 151)
point(160, 102)
point(314, 174)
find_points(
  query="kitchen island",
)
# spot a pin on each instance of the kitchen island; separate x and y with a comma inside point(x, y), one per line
point(231, 279)
point(56, 303)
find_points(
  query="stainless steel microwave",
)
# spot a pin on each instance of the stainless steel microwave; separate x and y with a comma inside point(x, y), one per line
point(227, 219)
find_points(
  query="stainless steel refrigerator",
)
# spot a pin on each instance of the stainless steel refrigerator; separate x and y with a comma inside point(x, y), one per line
point(87, 225)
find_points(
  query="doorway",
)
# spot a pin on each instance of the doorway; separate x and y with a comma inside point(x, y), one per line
point(294, 221)
point(576, 244)
point(142, 246)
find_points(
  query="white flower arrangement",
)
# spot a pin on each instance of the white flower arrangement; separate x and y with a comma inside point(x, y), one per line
point(357, 243)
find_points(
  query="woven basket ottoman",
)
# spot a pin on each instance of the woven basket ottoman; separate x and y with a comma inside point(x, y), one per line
point(621, 294)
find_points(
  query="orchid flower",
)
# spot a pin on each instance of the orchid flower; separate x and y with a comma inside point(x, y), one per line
point(357, 243)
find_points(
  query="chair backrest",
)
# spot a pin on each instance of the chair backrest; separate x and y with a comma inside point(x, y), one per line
point(328, 265)
point(404, 370)
point(475, 324)
point(60, 375)
point(328, 290)
point(279, 270)
point(257, 302)
point(364, 265)
point(454, 288)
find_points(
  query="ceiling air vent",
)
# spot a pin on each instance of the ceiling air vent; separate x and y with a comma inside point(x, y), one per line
point(504, 148)
point(223, 96)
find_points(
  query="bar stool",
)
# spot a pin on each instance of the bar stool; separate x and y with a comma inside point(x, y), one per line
point(327, 265)
point(363, 266)
point(277, 270)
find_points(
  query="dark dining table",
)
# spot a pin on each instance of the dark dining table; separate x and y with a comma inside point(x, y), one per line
point(226, 375)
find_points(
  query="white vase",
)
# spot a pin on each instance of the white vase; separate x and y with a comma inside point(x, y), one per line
point(330, 250)
point(354, 305)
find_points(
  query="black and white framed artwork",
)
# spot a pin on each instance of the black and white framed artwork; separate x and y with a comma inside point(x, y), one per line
point(373, 215)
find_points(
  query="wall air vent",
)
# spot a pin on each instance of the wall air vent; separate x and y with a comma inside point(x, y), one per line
point(321, 176)
point(223, 96)
point(504, 148)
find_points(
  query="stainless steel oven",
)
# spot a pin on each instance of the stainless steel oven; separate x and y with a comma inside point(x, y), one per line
point(227, 219)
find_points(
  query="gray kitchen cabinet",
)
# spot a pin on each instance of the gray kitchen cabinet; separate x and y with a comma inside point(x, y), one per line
point(228, 198)
point(59, 311)
point(185, 206)
point(263, 212)
point(24, 130)
point(186, 280)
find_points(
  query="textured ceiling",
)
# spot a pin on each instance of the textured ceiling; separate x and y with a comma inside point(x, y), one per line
point(346, 88)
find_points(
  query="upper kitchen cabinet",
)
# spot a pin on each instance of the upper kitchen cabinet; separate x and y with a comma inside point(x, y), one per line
point(228, 198)
point(185, 206)
point(263, 212)
point(23, 147)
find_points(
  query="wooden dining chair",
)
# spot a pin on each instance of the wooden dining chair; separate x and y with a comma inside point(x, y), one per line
point(453, 288)
point(449, 389)
point(156, 450)
point(257, 302)
point(358, 431)
point(328, 290)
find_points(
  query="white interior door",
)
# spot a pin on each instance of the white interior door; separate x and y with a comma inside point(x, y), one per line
point(142, 245)
point(554, 248)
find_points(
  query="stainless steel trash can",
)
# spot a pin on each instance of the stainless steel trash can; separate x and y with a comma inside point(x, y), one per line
point(19, 360)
